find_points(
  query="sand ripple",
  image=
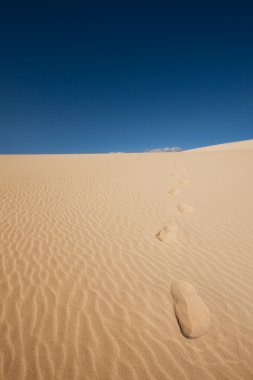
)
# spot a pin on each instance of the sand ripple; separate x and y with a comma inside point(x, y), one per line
point(85, 286)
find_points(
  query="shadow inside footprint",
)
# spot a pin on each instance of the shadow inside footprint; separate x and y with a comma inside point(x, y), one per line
point(167, 233)
point(192, 314)
point(184, 208)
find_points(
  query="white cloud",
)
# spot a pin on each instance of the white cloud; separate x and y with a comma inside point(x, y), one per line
point(165, 149)
point(156, 150)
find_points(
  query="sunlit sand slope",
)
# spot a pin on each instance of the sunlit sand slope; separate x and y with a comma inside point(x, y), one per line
point(91, 248)
point(238, 145)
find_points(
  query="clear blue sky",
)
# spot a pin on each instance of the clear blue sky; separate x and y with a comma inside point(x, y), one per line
point(101, 76)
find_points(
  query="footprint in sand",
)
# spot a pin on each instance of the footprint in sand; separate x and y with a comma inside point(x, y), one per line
point(167, 233)
point(192, 314)
point(174, 192)
point(184, 182)
point(184, 208)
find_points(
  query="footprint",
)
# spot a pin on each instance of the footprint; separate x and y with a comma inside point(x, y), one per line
point(174, 192)
point(167, 233)
point(184, 208)
point(192, 314)
point(184, 182)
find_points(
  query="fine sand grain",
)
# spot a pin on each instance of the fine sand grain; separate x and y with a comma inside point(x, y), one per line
point(91, 247)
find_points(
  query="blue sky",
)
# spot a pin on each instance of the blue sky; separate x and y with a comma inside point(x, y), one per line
point(88, 77)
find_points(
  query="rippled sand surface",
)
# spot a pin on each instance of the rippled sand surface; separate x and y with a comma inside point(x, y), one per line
point(89, 248)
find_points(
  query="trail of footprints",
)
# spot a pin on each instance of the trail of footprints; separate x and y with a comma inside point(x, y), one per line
point(192, 314)
point(169, 232)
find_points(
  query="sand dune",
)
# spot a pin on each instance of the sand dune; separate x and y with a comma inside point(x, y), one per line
point(237, 145)
point(90, 247)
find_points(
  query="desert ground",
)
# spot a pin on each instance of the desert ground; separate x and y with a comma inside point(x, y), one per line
point(127, 266)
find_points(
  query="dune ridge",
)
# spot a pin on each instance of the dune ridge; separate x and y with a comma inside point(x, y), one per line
point(236, 145)
point(85, 284)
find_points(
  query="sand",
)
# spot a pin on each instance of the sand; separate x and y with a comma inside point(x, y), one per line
point(86, 283)
point(192, 314)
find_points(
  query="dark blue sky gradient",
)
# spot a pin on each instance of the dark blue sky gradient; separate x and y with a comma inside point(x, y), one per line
point(101, 76)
